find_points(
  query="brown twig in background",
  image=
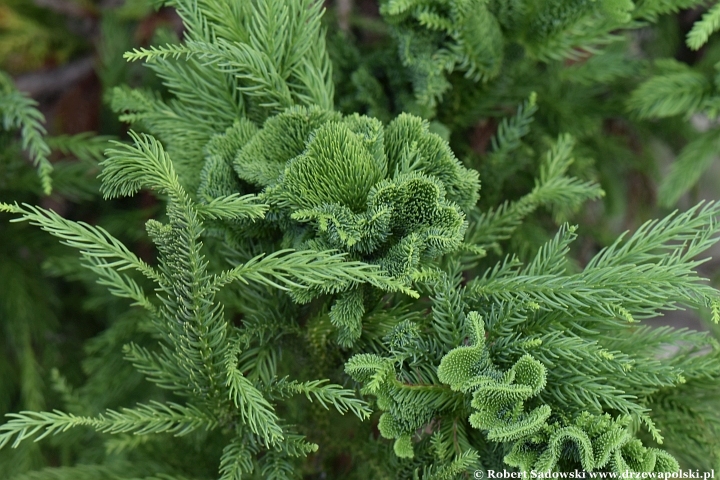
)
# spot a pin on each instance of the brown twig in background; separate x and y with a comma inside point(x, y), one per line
point(344, 10)
point(64, 7)
point(51, 82)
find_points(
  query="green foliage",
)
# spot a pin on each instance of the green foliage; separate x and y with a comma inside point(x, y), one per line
point(537, 440)
point(536, 331)
point(202, 363)
point(324, 293)
point(689, 166)
point(579, 57)
point(681, 91)
point(702, 30)
point(156, 418)
point(435, 39)
point(32, 37)
point(19, 112)
point(392, 197)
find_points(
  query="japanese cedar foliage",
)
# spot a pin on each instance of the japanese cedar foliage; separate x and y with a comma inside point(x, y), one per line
point(311, 250)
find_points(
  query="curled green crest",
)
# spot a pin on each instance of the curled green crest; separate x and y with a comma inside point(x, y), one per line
point(393, 196)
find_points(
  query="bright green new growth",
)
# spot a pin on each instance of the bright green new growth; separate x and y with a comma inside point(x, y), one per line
point(535, 437)
point(302, 249)
point(391, 196)
point(381, 196)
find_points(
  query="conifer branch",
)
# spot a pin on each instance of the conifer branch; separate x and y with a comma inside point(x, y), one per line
point(325, 271)
point(154, 417)
point(236, 460)
point(510, 132)
point(119, 284)
point(128, 168)
point(553, 188)
point(19, 111)
point(233, 207)
point(341, 399)
point(703, 28)
point(256, 412)
point(85, 146)
point(676, 93)
point(651, 9)
point(689, 166)
point(93, 242)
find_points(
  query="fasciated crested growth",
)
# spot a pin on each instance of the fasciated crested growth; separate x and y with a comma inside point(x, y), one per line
point(363, 188)
point(394, 196)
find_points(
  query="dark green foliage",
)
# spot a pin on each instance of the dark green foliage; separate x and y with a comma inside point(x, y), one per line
point(436, 38)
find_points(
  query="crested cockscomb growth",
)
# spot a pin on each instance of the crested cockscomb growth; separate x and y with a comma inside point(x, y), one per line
point(391, 196)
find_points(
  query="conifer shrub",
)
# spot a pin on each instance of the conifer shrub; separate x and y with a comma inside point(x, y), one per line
point(330, 293)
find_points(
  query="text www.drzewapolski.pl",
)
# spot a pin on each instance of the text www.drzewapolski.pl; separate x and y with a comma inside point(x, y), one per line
point(534, 474)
